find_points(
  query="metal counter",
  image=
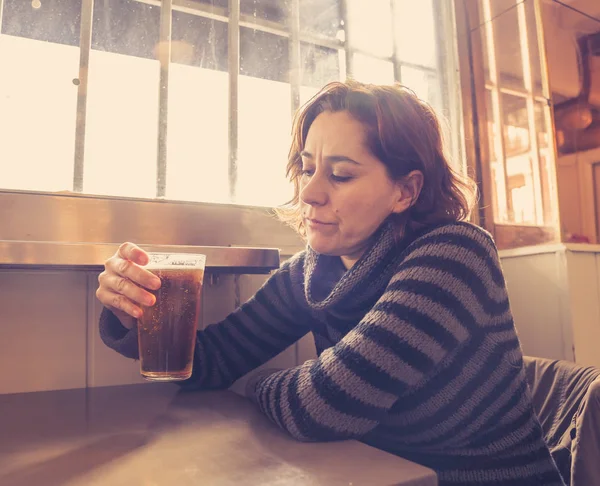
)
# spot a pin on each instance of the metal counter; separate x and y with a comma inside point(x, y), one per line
point(91, 256)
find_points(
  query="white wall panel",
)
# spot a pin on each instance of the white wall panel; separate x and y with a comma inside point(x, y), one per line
point(42, 330)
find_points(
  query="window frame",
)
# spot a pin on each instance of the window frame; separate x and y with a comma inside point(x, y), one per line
point(474, 88)
point(32, 203)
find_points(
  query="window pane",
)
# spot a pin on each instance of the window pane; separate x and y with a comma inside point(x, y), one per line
point(548, 181)
point(39, 58)
point(425, 84)
point(321, 17)
point(516, 126)
point(264, 120)
point(534, 48)
point(320, 65)
point(122, 110)
point(494, 144)
point(264, 55)
point(507, 43)
point(522, 206)
point(270, 10)
point(517, 148)
point(414, 29)
point(197, 156)
point(370, 26)
point(54, 21)
point(370, 70)
point(263, 142)
point(198, 41)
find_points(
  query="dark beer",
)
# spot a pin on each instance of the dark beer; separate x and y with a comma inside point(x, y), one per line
point(167, 330)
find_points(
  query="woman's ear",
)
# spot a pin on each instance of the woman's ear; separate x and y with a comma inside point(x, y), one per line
point(409, 189)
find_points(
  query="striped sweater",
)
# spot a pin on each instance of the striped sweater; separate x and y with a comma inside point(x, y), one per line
point(417, 355)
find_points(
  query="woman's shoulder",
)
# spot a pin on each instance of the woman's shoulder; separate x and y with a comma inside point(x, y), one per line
point(453, 247)
point(458, 234)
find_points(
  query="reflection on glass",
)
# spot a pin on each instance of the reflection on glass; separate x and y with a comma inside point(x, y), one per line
point(516, 125)
point(370, 26)
point(321, 17)
point(122, 105)
point(264, 120)
point(370, 70)
point(507, 42)
point(197, 156)
point(415, 32)
point(39, 58)
point(425, 84)
point(270, 10)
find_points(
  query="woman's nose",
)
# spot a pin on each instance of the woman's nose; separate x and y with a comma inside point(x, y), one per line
point(313, 192)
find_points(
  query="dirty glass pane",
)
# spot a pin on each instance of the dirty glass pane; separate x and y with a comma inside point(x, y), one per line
point(276, 11)
point(320, 65)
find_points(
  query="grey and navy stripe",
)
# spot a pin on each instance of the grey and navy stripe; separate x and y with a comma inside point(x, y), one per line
point(417, 355)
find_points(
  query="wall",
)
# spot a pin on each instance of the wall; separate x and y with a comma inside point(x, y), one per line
point(537, 289)
point(555, 298)
point(49, 330)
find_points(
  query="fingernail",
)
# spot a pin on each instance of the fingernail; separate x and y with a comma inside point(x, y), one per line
point(156, 283)
point(137, 314)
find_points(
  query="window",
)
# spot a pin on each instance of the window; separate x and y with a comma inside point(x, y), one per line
point(190, 100)
point(519, 158)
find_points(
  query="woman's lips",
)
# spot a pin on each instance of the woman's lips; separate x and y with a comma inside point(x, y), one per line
point(315, 223)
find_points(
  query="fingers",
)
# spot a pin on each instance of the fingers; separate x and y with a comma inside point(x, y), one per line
point(130, 270)
point(119, 302)
point(132, 252)
point(123, 286)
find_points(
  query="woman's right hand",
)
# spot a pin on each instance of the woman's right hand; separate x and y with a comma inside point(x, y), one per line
point(123, 284)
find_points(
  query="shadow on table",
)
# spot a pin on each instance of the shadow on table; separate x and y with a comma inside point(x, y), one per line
point(59, 470)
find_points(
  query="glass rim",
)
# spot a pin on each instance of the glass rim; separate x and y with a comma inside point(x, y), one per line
point(175, 260)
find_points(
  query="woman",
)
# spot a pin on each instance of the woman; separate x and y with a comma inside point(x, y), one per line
point(418, 353)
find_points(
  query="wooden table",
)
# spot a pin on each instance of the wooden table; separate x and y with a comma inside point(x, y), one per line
point(156, 435)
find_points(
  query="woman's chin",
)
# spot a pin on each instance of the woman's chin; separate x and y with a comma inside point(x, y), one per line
point(322, 247)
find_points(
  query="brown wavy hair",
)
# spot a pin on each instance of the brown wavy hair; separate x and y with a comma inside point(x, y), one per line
point(404, 133)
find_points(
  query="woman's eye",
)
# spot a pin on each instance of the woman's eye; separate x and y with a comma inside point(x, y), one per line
point(338, 178)
point(306, 172)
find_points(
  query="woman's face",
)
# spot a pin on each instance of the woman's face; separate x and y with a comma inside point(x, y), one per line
point(345, 191)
